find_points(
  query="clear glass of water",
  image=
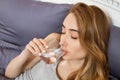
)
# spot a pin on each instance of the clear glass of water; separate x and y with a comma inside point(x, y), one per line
point(51, 56)
point(53, 53)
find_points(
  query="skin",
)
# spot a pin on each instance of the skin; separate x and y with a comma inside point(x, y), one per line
point(74, 53)
point(73, 58)
point(69, 41)
point(29, 56)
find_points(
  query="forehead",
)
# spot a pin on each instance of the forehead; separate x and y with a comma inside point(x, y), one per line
point(70, 22)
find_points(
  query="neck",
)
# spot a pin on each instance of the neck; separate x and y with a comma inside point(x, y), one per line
point(68, 66)
point(73, 63)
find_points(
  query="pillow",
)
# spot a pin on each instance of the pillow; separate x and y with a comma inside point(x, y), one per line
point(6, 55)
point(22, 20)
point(114, 51)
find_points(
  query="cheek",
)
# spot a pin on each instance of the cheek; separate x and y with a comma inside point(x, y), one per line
point(78, 51)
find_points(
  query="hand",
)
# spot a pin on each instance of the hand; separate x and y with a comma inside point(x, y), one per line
point(35, 47)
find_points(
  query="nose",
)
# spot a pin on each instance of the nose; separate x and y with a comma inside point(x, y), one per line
point(63, 40)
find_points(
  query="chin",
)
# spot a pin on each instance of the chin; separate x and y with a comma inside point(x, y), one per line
point(66, 57)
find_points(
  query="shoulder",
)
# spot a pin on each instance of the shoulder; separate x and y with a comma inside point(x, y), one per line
point(53, 35)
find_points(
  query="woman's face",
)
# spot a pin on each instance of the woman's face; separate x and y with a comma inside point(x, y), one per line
point(69, 41)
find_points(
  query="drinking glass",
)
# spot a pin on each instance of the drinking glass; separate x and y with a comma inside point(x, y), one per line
point(53, 53)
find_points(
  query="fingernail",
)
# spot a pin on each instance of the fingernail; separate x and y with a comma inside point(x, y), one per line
point(53, 59)
point(52, 54)
point(46, 47)
point(43, 51)
point(39, 54)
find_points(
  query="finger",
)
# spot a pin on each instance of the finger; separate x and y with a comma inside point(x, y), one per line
point(44, 43)
point(34, 46)
point(30, 48)
point(37, 42)
point(41, 45)
point(33, 52)
point(53, 59)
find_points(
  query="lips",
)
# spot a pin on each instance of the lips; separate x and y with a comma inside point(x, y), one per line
point(64, 51)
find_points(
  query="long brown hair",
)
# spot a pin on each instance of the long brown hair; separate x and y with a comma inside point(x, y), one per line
point(94, 32)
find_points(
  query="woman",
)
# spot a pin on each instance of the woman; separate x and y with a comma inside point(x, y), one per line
point(83, 42)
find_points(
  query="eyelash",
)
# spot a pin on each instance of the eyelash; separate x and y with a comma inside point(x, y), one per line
point(71, 36)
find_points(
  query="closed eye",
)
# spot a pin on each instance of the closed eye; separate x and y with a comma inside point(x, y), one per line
point(73, 37)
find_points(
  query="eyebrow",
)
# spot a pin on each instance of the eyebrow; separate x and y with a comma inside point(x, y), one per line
point(71, 29)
